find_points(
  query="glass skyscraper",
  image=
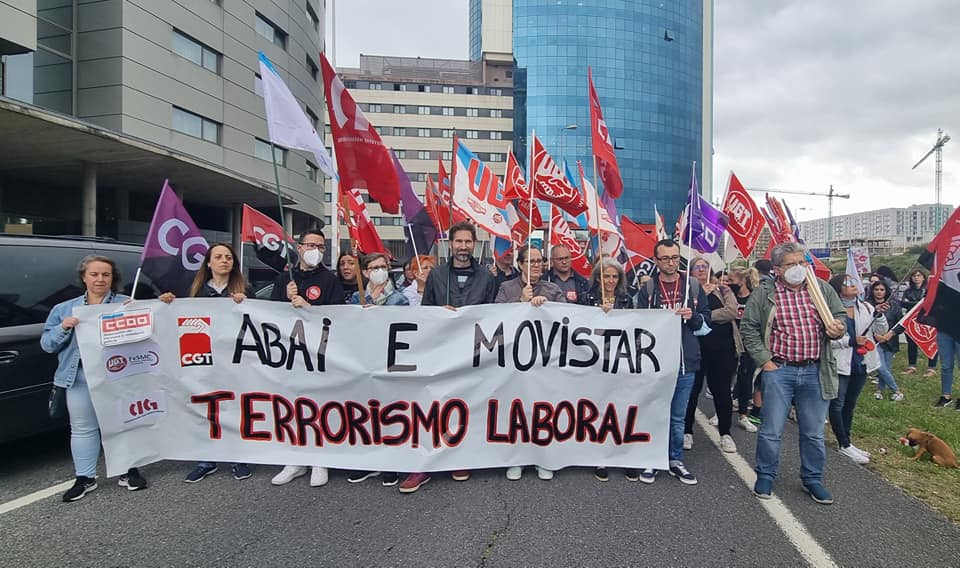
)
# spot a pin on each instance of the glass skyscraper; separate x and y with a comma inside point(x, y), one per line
point(647, 60)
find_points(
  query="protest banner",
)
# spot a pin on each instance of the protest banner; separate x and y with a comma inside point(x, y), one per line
point(385, 388)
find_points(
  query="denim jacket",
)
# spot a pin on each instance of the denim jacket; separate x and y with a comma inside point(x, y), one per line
point(64, 342)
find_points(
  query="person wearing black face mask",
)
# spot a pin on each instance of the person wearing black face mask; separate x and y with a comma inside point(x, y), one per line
point(742, 283)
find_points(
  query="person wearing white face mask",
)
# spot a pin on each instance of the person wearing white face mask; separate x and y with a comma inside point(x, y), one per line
point(380, 290)
point(312, 285)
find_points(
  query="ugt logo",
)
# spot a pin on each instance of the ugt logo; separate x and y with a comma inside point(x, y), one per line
point(195, 347)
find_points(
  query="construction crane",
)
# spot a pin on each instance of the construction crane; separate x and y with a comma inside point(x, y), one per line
point(938, 173)
point(829, 195)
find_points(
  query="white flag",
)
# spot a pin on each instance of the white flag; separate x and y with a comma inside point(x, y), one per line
point(852, 272)
point(287, 123)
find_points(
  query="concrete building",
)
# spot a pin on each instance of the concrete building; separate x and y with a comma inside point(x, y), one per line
point(885, 231)
point(100, 101)
point(417, 104)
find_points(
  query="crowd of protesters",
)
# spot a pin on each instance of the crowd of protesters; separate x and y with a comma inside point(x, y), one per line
point(752, 336)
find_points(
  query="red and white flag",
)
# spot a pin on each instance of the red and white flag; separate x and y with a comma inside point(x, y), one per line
point(603, 151)
point(598, 218)
point(362, 159)
point(514, 183)
point(925, 336)
point(746, 219)
point(361, 226)
point(560, 234)
point(261, 230)
point(550, 185)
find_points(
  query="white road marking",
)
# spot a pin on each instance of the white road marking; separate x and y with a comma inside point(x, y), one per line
point(34, 497)
point(792, 528)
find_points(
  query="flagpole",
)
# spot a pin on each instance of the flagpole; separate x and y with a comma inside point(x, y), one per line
point(413, 241)
point(596, 204)
point(686, 294)
point(283, 219)
point(549, 246)
point(353, 244)
point(530, 184)
point(453, 186)
point(136, 280)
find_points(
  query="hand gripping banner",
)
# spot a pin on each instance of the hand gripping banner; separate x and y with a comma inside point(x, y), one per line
point(385, 388)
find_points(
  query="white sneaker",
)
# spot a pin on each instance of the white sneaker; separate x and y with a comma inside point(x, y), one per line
point(688, 441)
point(318, 476)
point(863, 453)
point(544, 473)
point(745, 423)
point(514, 473)
point(714, 421)
point(897, 397)
point(708, 394)
point(854, 455)
point(288, 474)
point(727, 444)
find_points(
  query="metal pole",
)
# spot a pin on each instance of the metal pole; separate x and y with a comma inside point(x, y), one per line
point(276, 179)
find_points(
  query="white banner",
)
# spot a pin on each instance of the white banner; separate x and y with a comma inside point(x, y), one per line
point(385, 388)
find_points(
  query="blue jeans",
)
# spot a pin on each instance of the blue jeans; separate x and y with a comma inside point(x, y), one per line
point(84, 428)
point(842, 407)
point(678, 413)
point(802, 386)
point(885, 373)
point(948, 349)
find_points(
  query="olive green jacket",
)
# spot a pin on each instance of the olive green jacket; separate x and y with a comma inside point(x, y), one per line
point(755, 326)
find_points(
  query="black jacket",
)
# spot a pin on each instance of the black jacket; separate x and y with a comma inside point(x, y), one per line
point(319, 286)
point(480, 288)
point(582, 285)
point(620, 301)
point(701, 314)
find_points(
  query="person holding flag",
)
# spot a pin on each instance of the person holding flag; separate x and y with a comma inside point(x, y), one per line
point(913, 295)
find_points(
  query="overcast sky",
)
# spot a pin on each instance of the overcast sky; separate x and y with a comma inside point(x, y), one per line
point(808, 93)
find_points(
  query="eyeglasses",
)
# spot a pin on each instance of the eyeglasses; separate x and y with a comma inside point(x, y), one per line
point(537, 261)
point(310, 246)
point(674, 258)
point(700, 268)
point(561, 258)
point(787, 265)
point(849, 283)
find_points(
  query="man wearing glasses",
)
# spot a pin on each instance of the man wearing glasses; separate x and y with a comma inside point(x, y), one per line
point(313, 285)
point(575, 287)
point(668, 290)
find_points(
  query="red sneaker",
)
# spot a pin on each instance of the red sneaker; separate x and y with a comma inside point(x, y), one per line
point(461, 475)
point(414, 481)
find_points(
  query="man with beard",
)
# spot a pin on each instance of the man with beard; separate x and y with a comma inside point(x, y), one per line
point(460, 282)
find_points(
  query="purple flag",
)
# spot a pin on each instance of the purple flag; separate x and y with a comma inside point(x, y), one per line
point(705, 222)
point(419, 232)
point(175, 248)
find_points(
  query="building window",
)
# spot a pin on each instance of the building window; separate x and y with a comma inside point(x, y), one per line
point(401, 154)
point(374, 107)
point(375, 86)
point(400, 131)
point(496, 92)
point(473, 134)
point(423, 110)
point(195, 51)
point(496, 135)
point(195, 125)
point(270, 32)
point(312, 67)
point(496, 113)
point(446, 133)
point(447, 111)
point(448, 155)
point(257, 85)
point(313, 118)
point(448, 90)
point(423, 154)
point(404, 87)
point(261, 149)
point(423, 132)
point(378, 130)
point(312, 16)
point(311, 172)
point(496, 157)
point(473, 112)
point(400, 109)
point(473, 91)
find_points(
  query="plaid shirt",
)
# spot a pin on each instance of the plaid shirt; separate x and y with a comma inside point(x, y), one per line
point(796, 331)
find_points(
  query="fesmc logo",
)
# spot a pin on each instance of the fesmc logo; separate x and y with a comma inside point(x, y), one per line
point(194, 333)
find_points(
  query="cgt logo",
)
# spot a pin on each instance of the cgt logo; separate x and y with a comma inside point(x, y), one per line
point(143, 410)
point(195, 347)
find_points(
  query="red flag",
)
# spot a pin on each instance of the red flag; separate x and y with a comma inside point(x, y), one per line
point(924, 336)
point(550, 185)
point(362, 229)
point(560, 234)
point(945, 268)
point(362, 159)
point(522, 222)
point(746, 220)
point(639, 239)
point(514, 184)
point(444, 199)
point(607, 167)
point(433, 205)
point(261, 230)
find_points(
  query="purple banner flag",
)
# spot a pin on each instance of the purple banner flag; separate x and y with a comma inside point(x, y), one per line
point(174, 250)
point(419, 232)
point(705, 222)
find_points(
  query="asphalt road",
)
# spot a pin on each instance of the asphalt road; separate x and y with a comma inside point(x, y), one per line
point(487, 521)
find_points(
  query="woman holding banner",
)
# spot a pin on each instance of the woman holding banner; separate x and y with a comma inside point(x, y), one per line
point(219, 277)
point(99, 279)
point(529, 288)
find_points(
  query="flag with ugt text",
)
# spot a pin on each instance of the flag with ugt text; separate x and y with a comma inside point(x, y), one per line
point(174, 249)
point(942, 257)
point(560, 234)
point(273, 245)
point(477, 191)
point(745, 219)
point(287, 124)
point(603, 150)
point(419, 231)
point(362, 159)
point(550, 185)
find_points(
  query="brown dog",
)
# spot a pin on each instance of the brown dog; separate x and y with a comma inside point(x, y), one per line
point(940, 452)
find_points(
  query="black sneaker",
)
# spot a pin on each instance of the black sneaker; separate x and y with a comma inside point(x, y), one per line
point(132, 480)
point(943, 402)
point(390, 479)
point(202, 470)
point(241, 471)
point(631, 474)
point(81, 487)
point(681, 472)
point(361, 476)
point(601, 473)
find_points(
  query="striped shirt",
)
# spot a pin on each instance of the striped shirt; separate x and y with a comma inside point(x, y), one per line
point(797, 329)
